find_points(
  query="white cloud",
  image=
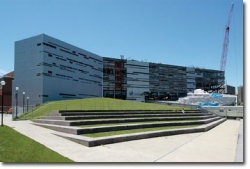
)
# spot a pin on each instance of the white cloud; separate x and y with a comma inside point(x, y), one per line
point(2, 72)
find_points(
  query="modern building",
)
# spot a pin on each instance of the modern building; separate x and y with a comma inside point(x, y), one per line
point(137, 80)
point(241, 94)
point(229, 90)
point(49, 69)
point(7, 92)
point(125, 79)
point(114, 78)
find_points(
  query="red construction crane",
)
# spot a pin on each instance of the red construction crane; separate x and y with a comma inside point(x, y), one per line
point(226, 41)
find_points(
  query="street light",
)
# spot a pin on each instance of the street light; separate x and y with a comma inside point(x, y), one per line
point(2, 83)
point(23, 101)
point(27, 103)
point(17, 88)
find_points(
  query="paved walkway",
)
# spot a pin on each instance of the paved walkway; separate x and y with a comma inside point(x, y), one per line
point(220, 144)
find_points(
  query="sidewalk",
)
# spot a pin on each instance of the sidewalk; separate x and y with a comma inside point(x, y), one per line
point(220, 144)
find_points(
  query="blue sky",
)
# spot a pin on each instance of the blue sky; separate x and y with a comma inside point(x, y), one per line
point(176, 32)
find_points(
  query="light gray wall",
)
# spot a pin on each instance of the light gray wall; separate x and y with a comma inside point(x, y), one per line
point(49, 69)
point(27, 57)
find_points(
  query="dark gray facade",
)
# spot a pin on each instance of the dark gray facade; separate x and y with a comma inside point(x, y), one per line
point(165, 79)
point(137, 79)
point(229, 90)
point(143, 80)
point(49, 69)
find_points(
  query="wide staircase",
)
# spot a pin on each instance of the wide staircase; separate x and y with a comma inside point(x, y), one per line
point(94, 128)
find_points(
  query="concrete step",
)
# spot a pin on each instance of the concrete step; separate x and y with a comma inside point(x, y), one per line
point(91, 142)
point(119, 120)
point(67, 122)
point(116, 112)
point(121, 116)
point(138, 126)
point(78, 130)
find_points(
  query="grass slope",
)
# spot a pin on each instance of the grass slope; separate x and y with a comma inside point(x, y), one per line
point(16, 147)
point(95, 104)
point(111, 133)
point(145, 122)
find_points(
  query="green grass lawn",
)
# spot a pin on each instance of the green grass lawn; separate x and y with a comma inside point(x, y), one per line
point(95, 104)
point(15, 147)
point(111, 133)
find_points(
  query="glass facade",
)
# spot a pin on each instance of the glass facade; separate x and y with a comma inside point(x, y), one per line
point(155, 80)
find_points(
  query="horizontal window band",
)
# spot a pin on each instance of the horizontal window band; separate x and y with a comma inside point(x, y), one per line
point(64, 94)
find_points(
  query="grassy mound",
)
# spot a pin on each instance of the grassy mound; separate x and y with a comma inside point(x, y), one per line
point(94, 104)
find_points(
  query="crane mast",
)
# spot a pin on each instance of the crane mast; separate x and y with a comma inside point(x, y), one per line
point(226, 41)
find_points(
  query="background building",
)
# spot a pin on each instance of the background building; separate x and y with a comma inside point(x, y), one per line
point(7, 91)
point(241, 94)
point(49, 69)
point(229, 90)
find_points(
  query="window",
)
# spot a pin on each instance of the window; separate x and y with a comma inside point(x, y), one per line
point(44, 95)
point(46, 44)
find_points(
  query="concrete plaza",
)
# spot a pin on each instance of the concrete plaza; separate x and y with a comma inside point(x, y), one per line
point(223, 143)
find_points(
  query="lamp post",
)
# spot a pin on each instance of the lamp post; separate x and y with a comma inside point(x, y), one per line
point(17, 88)
point(27, 103)
point(23, 101)
point(2, 83)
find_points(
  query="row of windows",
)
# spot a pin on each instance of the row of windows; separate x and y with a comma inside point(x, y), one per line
point(68, 52)
point(71, 95)
point(58, 45)
point(71, 61)
point(65, 94)
point(111, 92)
point(174, 74)
point(46, 44)
point(67, 68)
point(49, 73)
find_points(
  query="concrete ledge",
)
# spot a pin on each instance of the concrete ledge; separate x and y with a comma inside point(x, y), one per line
point(142, 115)
point(125, 120)
point(138, 126)
point(55, 122)
point(91, 142)
point(120, 120)
point(118, 112)
point(52, 118)
point(85, 117)
point(64, 129)
point(78, 130)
